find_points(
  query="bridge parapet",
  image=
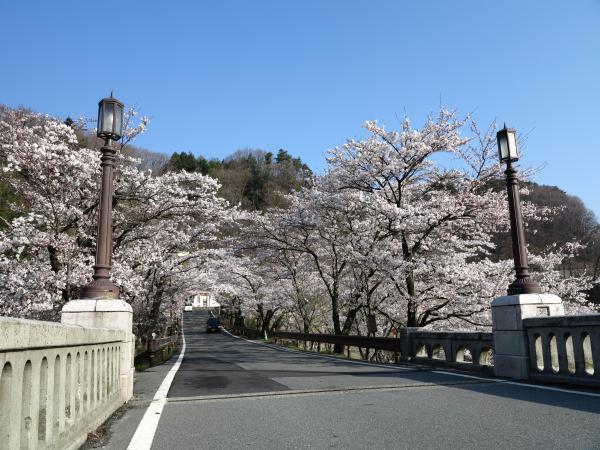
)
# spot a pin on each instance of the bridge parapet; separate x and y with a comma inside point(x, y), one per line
point(457, 349)
point(59, 381)
point(564, 349)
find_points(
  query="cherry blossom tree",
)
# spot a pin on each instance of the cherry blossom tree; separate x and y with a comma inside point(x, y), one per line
point(46, 253)
point(399, 231)
point(439, 217)
point(402, 224)
point(334, 241)
point(300, 283)
point(249, 284)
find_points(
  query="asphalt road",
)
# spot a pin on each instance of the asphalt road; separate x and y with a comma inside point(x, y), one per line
point(230, 393)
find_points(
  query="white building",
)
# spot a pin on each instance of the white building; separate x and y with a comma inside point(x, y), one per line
point(204, 300)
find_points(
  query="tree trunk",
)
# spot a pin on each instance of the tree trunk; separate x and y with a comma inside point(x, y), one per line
point(337, 328)
point(155, 311)
point(266, 322)
point(411, 313)
point(305, 326)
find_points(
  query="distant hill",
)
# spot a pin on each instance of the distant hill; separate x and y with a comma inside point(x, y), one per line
point(572, 221)
point(254, 179)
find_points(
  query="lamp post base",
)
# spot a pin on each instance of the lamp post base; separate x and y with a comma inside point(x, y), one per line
point(100, 288)
point(524, 286)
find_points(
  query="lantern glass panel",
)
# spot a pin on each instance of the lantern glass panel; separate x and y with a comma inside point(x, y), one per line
point(513, 149)
point(118, 121)
point(503, 147)
point(99, 128)
point(107, 118)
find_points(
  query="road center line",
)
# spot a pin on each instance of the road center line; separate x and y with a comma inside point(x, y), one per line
point(144, 434)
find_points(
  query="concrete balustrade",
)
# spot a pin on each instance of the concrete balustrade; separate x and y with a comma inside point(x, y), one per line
point(461, 350)
point(59, 381)
point(564, 349)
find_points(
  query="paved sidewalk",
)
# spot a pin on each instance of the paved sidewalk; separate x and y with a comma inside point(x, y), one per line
point(118, 430)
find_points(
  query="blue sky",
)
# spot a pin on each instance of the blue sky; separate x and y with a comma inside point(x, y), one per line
point(216, 76)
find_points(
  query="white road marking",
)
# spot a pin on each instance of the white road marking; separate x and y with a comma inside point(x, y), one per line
point(461, 375)
point(517, 383)
point(144, 434)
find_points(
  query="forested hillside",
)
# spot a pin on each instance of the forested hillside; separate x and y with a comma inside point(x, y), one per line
point(254, 179)
point(571, 220)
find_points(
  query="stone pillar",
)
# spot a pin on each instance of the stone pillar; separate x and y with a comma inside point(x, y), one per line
point(406, 343)
point(511, 347)
point(111, 314)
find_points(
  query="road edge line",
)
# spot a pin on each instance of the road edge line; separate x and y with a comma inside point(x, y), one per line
point(144, 434)
point(522, 384)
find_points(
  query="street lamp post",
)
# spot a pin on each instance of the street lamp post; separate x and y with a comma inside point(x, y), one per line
point(110, 127)
point(509, 153)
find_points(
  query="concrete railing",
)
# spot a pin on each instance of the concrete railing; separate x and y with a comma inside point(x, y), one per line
point(564, 349)
point(461, 350)
point(58, 381)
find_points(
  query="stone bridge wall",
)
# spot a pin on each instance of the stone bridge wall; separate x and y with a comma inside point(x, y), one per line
point(564, 349)
point(456, 349)
point(59, 381)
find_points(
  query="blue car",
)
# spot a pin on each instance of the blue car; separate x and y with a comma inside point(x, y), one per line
point(213, 325)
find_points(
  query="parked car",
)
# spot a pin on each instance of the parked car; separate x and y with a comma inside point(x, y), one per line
point(188, 308)
point(213, 325)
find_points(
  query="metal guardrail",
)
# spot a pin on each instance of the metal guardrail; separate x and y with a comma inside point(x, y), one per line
point(245, 331)
point(156, 345)
point(155, 351)
point(375, 343)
